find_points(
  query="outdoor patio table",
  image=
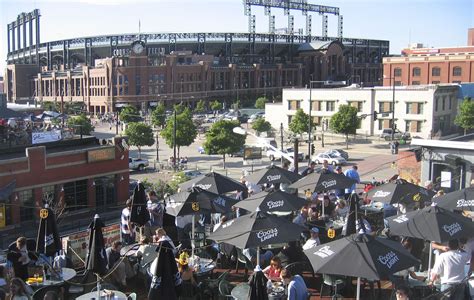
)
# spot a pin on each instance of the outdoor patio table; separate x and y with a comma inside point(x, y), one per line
point(129, 250)
point(241, 291)
point(118, 295)
point(206, 266)
point(67, 274)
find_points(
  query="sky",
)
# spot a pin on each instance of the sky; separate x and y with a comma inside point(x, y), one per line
point(435, 23)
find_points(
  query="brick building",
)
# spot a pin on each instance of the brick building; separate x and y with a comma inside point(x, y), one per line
point(78, 175)
point(418, 65)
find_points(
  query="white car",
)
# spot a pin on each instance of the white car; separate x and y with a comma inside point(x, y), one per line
point(274, 155)
point(256, 116)
point(332, 159)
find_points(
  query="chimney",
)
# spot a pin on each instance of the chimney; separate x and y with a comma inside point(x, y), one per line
point(470, 37)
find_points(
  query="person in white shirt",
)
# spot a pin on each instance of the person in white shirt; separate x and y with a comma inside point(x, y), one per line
point(161, 237)
point(313, 241)
point(449, 267)
point(342, 209)
point(127, 232)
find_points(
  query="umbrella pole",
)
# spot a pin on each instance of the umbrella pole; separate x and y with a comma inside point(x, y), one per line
point(429, 261)
point(192, 237)
point(258, 256)
point(358, 288)
point(98, 285)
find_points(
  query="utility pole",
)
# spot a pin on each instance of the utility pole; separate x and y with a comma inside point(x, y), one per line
point(281, 141)
point(393, 108)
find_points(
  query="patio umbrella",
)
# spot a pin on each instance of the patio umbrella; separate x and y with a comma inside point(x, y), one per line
point(276, 201)
point(273, 174)
point(139, 214)
point(432, 223)
point(96, 260)
point(318, 182)
point(458, 200)
point(166, 276)
point(361, 256)
point(215, 183)
point(400, 191)
point(48, 241)
point(195, 201)
point(255, 230)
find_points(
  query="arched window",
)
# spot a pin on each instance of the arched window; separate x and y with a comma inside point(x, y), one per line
point(397, 72)
point(436, 71)
point(457, 71)
point(416, 72)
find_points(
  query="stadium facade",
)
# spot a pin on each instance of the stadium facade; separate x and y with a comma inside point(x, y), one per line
point(109, 72)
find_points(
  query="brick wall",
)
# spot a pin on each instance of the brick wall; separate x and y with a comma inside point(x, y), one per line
point(408, 168)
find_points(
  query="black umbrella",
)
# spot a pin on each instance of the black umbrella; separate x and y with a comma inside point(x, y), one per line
point(272, 175)
point(323, 181)
point(139, 214)
point(166, 278)
point(48, 241)
point(255, 230)
point(276, 201)
point(96, 260)
point(431, 223)
point(400, 191)
point(197, 201)
point(458, 200)
point(215, 183)
point(361, 256)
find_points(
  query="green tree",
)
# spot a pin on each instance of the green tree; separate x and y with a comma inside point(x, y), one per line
point(300, 122)
point(186, 131)
point(50, 106)
point(216, 105)
point(200, 107)
point(81, 124)
point(465, 116)
point(158, 115)
point(139, 135)
point(179, 108)
point(260, 125)
point(220, 139)
point(260, 103)
point(129, 114)
point(345, 121)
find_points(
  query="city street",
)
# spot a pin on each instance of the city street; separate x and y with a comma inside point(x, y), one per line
point(372, 157)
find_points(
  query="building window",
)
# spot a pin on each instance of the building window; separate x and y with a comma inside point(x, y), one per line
point(27, 205)
point(407, 125)
point(436, 71)
point(289, 119)
point(420, 108)
point(385, 106)
point(450, 104)
point(416, 72)
point(357, 104)
point(294, 104)
point(443, 103)
point(397, 72)
point(415, 83)
point(457, 71)
point(413, 126)
point(436, 103)
point(105, 191)
point(330, 105)
point(49, 194)
point(75, 195)
point(435, 82)
point(457, 81)
point(398, 83)
point(409, 107)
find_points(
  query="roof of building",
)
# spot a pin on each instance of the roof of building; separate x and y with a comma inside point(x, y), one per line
point(315, 46)
point(449, 144)
point(381, 88)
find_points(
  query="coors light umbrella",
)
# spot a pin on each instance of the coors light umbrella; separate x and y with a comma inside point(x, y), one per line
point(215, 183)
point(400, 191)
point(458, 200)
point(276, 201)
point(255, 230)
point(48, 241)
point(361, 256)
point(272, 175)
point(166, 277)
point(139, 214)
point(431, 223)
point(96, 260)
point(317, 182)
point(195, 201)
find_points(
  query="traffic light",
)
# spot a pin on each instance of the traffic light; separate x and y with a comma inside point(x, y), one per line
point(313, 149)
point(375, 115)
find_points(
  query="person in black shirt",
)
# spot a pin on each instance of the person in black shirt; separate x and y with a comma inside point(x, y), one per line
point(329, 207)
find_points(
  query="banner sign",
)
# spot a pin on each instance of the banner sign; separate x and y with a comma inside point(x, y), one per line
point(78, 243)
point(101, 154)
point(252, 153)
point(46, 136)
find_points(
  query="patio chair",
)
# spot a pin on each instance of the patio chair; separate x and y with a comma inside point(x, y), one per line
point(333, 282)
point(241, 258)
point(132, 296)
point(225, 289)
point(39, 293)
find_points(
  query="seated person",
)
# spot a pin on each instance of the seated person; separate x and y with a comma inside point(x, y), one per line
point(402, 293)
point(251, 254)
point(146, 253)
point(302, 217)
point(51, 295)
point(19, 290)
point(291, 253)
point(274, 269)
point(160, 236)
point(121, 267)
point(329, 207)
point(297, 289)
point(186, 272)
point(342, 209)
point(20, 258)
point(313, 241)
point(403, 274)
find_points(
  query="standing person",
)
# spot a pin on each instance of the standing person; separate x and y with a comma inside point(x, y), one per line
point(297, 289)
point(449, 267)
point(20, 258)
point(352, 174)
point(309, 169)
point(327, 168)
point(156, 209)
point(127, 232)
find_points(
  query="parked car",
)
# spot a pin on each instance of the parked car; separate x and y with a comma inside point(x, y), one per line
point(256, 116)
point(239, 153)
point(243, 118)
point(137, 163)
point(387, 135)
point(192, 173)
point(274, 155)
point(338, 152)
point(332, 159)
